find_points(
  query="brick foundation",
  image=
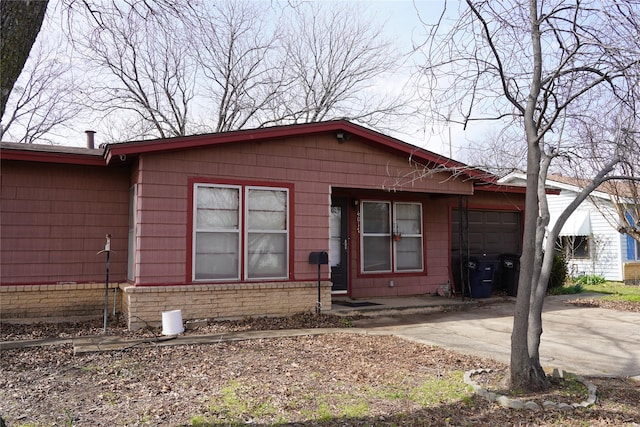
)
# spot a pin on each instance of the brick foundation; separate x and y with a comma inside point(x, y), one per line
point(631, 273)
point(55, 302)
point(144, 305)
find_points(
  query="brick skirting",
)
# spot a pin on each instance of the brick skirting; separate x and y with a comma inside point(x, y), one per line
point(55, 302)
point(144, 305)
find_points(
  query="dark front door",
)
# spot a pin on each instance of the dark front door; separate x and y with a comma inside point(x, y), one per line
point(339, 244)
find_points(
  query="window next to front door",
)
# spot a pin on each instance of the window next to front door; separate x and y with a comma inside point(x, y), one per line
point(240, 232)
point(391, 237)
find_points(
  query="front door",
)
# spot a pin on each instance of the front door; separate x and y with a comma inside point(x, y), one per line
point(339, 244)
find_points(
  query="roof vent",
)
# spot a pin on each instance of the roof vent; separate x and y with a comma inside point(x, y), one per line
point(90, 138)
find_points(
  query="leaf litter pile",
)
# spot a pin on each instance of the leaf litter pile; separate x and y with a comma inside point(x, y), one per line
point(337, 379)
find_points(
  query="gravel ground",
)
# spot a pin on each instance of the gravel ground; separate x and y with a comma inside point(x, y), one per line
point(328, 380)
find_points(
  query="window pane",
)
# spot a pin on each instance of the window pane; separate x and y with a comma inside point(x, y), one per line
point(575, 246)
point(580, 247)
point(216, 256)
point(409, 253)
point(267, 255)
point(375, 217)
point(335, 230)
point(376, 253)
point(408, 219)
point(217, 208)
point(335, 221)
point(219, 218)
point(267, 209)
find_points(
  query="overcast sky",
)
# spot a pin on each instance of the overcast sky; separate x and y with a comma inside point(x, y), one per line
point(403, 27)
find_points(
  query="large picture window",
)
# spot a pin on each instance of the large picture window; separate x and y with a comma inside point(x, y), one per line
point(240, 232)
point(391, 237)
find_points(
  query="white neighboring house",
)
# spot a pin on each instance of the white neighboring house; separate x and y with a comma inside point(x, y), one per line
point(591, 243)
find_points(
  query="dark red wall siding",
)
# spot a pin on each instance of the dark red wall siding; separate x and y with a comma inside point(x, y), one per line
point(313, 165)
point(54, 219)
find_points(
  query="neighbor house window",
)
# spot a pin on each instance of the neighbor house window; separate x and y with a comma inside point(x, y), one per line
point(240, 232)
point(633, 246)
point(391, 237)
point(575, 247)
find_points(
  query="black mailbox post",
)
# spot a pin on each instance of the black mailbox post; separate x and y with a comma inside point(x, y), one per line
point(319, 258)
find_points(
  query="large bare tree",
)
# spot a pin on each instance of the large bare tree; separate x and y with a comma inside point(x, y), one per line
point(45, 98)
point(333, 59)
point(548, 68)
point(140, 64)
point(233, 64)
point(239, 50)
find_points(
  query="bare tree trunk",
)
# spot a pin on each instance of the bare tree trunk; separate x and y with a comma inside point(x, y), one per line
point(493, 55)
point(526, 371)
point(19, 26)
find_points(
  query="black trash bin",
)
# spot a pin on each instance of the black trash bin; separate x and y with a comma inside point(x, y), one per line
point(481, 277)
point(508, 272)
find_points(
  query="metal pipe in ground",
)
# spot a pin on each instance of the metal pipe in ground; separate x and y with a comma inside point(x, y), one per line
point(107, 250)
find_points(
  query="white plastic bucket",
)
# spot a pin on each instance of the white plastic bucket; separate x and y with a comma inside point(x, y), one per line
point(172, 322)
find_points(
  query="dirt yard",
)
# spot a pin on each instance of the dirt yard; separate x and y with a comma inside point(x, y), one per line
point(337, 379)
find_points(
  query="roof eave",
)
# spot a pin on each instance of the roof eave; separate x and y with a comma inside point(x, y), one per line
point(254, 135)
point(44, 157)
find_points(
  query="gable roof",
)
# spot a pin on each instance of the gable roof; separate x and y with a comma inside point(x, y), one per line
point(349, 130)
point(111, 153)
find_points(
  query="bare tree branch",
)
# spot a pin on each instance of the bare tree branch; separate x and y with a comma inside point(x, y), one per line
point(557, 68)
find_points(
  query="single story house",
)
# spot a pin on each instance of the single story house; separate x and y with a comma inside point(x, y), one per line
point(589, 239)
point(223, 225)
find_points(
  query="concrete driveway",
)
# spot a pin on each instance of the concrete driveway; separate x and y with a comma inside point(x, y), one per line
point(583, 340)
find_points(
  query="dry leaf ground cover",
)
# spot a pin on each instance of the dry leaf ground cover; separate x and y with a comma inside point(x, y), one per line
point(337, 379)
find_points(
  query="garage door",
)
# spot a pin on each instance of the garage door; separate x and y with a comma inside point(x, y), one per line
point(491, 233)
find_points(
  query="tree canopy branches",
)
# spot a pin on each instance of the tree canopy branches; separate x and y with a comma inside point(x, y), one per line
point(169, 68)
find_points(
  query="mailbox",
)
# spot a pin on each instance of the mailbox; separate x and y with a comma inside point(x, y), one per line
point(318, 258)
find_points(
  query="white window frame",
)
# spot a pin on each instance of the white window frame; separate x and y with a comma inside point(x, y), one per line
point(197, 230)
point(409, 235)
point(363, 234)
point(393, 262)
point(570, 247)
point(284, 232)
point(243, 231)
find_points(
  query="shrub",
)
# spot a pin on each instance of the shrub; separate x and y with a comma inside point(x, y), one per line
point(568, 290)
point(559, 272)
point(591, 279)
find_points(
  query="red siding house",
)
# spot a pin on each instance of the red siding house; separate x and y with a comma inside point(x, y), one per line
point(222, 225)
